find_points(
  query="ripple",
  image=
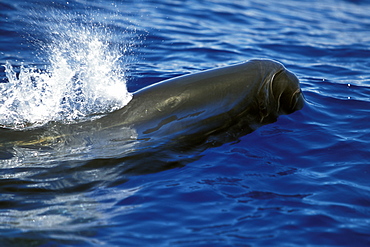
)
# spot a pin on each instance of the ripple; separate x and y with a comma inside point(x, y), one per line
point(300, 181)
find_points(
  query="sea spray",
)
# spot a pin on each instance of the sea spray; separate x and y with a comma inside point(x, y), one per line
point(83, 77)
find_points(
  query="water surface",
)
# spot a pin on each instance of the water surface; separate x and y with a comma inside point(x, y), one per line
point(302, 180)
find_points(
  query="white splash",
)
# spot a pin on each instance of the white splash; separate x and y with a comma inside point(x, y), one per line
point(83, 78)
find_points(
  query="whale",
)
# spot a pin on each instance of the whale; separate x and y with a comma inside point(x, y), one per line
point(216, 105)
point(236, 98)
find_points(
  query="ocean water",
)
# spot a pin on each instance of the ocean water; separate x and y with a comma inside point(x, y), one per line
point(300, 181)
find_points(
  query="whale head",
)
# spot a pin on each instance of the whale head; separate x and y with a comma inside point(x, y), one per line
point(286, 92)
point(279, 92)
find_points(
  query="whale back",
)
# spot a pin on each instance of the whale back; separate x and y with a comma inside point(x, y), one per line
point(247, 95)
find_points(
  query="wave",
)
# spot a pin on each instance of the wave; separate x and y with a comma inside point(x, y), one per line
point(83, 77)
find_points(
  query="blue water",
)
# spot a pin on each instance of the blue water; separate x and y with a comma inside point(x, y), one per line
point(301, 181)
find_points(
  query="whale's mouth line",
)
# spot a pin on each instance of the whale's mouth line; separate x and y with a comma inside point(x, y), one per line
point(297, 93)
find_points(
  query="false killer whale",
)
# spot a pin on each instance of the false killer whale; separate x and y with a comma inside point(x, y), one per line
point(226, 102)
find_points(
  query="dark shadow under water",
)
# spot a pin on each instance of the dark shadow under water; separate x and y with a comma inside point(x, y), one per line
point(53, 187)
point(65, 164)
